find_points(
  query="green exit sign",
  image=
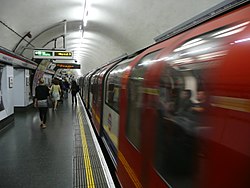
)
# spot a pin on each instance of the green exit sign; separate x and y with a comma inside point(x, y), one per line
point(43, 53)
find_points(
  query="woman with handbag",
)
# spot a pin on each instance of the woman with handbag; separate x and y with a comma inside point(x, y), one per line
point(41, 101)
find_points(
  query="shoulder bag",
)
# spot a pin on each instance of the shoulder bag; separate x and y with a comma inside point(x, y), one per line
point(42, 103)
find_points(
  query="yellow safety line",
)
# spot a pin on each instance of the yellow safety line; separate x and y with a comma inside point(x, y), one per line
point(88, 168)
point(129, 170)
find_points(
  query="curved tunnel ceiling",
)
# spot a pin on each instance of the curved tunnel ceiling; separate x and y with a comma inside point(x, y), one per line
point(114, 27)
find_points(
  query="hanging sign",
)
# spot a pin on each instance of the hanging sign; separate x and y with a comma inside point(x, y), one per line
point(51, 54)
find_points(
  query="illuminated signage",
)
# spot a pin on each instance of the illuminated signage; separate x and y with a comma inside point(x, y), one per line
point(63, 54)
point(67, 66)
point(43, 53)
point(47, 54)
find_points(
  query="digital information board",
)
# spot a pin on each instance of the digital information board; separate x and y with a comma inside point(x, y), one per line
point(50, 54)
point(67, 66)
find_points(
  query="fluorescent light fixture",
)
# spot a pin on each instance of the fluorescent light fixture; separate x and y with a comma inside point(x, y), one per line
point(85, 19)
point(86, 12)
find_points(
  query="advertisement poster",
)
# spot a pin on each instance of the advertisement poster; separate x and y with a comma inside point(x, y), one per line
point(1, 97)
point(39, 74)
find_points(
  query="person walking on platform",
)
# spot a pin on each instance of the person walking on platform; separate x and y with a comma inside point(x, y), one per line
point(41, 101)
point(74, 90)
point(66, 85)
point(55, 92)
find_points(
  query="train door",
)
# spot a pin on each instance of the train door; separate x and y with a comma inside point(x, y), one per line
point(175, 142)
point(81, 85)
point(130, 156)
point(94, 98)
point(98, 98)
point(111, 105)
point(93, 91)
point(87, 89)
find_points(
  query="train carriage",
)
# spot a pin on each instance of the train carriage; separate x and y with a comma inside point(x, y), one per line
point(177, 113)
point(167, 145)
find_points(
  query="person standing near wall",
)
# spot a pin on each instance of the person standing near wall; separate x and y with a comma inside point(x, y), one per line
point(41, 101)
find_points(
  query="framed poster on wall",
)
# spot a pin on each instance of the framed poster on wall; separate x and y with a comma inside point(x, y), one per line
point(27, 81)
point(1, 92)
point(10, 82)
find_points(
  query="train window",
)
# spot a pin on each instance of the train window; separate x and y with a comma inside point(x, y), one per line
point(135, 99)
point(94, 89)
point(99, 87)
point(92, 84)
point(114, 85)
point(87, 88)
point(95, 86)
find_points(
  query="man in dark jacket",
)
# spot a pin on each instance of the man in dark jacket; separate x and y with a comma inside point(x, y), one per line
point(74, 90)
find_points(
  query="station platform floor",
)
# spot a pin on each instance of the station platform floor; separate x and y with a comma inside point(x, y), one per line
point(63, 155)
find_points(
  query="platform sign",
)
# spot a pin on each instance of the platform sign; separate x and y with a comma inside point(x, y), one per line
point(51, 54)
point(63, 54)
point(43, 53)
point(67, 66)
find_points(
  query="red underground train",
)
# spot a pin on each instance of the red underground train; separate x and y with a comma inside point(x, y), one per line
point(177, 113)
